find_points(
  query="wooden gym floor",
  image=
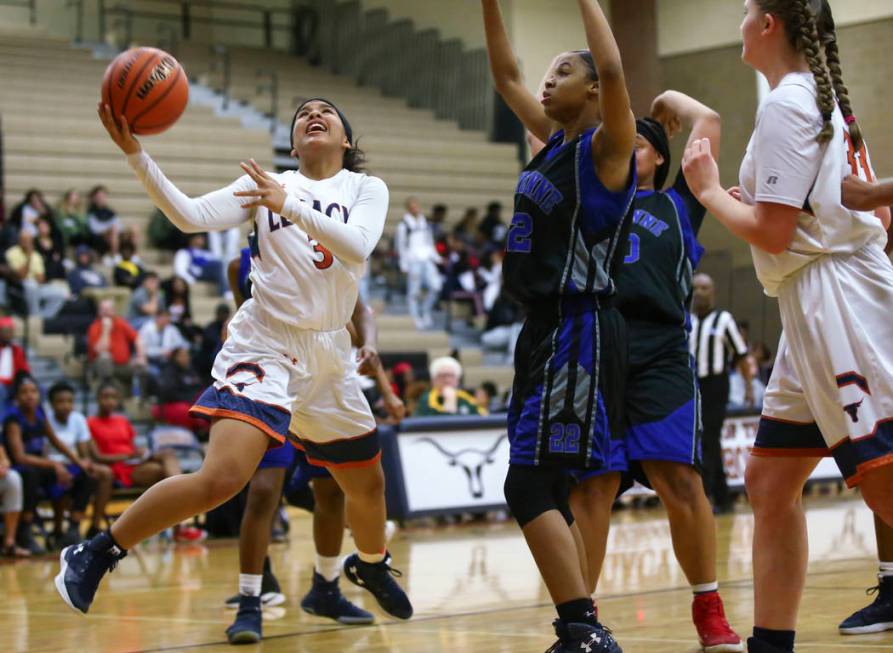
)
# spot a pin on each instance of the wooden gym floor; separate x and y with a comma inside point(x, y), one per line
point(475, 590)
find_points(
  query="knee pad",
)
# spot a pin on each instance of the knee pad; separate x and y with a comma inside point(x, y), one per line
point(530, 491)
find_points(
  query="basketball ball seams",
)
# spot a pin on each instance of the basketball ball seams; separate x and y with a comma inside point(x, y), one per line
point(151, 60)
point(171, 86)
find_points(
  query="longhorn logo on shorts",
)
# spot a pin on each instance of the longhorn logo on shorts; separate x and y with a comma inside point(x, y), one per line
point(472, 462)
point(242, 375)
point(856, 379)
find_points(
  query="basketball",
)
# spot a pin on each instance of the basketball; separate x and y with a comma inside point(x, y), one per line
point(148, 87)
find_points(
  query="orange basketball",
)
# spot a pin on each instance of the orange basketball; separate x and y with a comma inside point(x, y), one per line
point(148, 87)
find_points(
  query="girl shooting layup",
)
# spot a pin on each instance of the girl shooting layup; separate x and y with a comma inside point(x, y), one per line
point(831, 391)
point(285, 371)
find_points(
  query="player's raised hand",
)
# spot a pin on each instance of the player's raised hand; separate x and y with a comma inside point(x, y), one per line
point(700, 169)
point(269, 192)
point(119, 130)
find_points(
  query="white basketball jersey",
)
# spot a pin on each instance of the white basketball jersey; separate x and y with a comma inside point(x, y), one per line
point(784, 164)
point(295, 278)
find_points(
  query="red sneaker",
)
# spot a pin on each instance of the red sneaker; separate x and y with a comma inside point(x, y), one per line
point(714, 632)
point(189, 534)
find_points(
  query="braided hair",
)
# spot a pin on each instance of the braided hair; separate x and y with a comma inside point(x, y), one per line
point(828, 36)
point(800, 18)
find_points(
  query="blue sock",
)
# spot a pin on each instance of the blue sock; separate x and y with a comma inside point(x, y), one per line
point(783, 639)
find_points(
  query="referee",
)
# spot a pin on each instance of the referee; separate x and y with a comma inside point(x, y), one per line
point(715, 343)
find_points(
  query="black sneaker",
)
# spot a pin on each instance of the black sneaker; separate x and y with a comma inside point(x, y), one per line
point(246, 629)
point(82, 568)
point(25, 539)
point(755, 645)
point(876, 617)
point(270, 593)
point(377, 578)
point(326, 600)
point(582, 637)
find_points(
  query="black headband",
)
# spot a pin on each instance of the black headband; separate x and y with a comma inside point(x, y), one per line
point(348, 132)
point(654, 132)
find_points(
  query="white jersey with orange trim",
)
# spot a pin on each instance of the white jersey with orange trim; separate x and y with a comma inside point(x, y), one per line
point(785, 164)
point(307, 262)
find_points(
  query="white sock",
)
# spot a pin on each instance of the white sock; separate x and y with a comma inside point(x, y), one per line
point(249, 584)
point(705, 588)
point(371, 558)
point(328, 568)
point(886, 569)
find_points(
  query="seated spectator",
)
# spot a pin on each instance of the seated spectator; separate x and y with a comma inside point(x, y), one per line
point(51, 247)
point(25, 433)
point(490, 275)
point(461, 282)
point(104, 223)
point(176, 296)
point(738, 396)
point(84, 275)
point(765, 361)
point(487, 396)
point(71, 220)
point(128, 272)
point(114, 348)
point(13, 361)
point(164, 235)
point(225, 244)
point(146, 301)
point(466, 229)
point(160, 338)
point(113, 444)
point(70, 427)
point(504, 322)
point(43, 298)
point(492, 229)
point(438, 221)
point(195, 263)
point(180, 385)
point(11, 498)
point(445, 396)
point(212, 341)
point(25, 214)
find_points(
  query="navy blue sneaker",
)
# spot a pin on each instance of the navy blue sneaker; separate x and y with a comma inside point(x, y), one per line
point(326, 600)
point(246, 629)
point(755, 645)
point(580, 637)
point(874, 618)
point(82, 568)
point(376, 577)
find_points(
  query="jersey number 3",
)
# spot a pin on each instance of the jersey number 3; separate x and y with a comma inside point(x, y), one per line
point(518, 239)
point(327, 258)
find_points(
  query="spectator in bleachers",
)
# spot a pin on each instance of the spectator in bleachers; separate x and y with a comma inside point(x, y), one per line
point(71, 219)
point(487, 396)
point(51, 247)
point(13, 361)
point(176, 296)
point(70, 426)
point(438, 221)
point(490, 275)
point(180, 385)
point(104, 223)
point(461, 281)
point(146, 301)
point(414, 242)
point(445, 396)
point(212, 340)
point(11, 501)
point(25, 214)
point(43, 298)
point(466, 229)
point(765, 362)
point(195, 263)
point(114, 348)
point(492, 229)
point(739, 396)
point(25, 434)
point(114, 443)
point(164, 235)
point(128, 271)
point(504, 322)
point(160, 338)
point(84, 275)
point(225, 244)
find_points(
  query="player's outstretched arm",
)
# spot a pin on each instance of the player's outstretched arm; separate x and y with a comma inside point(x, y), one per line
point(507, 78)
point(677, 111)
point(613, 143)
point(860, 195)
point(215, 211)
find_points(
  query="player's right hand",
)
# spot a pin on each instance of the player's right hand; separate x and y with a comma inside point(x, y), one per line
point(856, 194)
point(119, 131)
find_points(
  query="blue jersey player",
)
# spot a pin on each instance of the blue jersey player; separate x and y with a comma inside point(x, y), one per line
point(662, 444)
point(571, 208)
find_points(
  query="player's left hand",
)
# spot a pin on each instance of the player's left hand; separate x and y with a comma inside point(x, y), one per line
point(856, 194)
point(394, 406)
point(269, 192)
point(367, 360)
point(700, 169)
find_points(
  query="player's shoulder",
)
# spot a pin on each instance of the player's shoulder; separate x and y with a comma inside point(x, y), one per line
point(366, 181)
point(797, 92)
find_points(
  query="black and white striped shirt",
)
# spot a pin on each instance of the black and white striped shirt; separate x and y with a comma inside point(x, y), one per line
point(714, 341)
